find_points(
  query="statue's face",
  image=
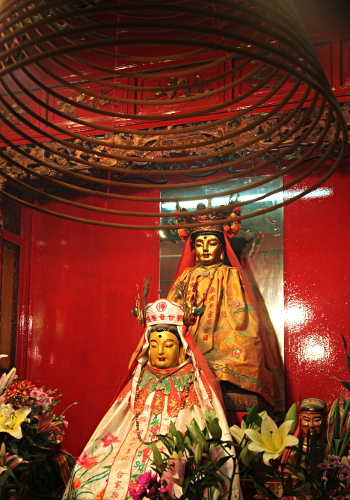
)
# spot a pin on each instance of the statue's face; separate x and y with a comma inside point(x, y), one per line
point(164, 350)
point(312, 423)
point(208, 249)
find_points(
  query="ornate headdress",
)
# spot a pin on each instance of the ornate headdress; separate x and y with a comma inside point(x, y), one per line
point(231, 227)
point(163, 311)
point(160, 312)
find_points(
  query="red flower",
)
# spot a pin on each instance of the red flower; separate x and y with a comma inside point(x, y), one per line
point(18, 392)
point(87, 462)
point(109, 439)
point(76, 483)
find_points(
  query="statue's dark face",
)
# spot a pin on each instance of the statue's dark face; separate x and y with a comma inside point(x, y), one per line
point(208, 249)
point(312, 423)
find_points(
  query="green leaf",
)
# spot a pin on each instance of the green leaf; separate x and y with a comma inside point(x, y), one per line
point(199, 311)
point(336, 421)
point(345, 414)
point(345, 384)
point(169, 443)
point(222, 461)
point(347, 354)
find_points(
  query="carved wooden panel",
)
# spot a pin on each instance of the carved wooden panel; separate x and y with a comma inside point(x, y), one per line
point(89, 105)
point(204, 87)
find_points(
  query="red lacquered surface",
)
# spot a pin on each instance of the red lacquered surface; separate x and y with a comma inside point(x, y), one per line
point(317, 290)
point(78, 334)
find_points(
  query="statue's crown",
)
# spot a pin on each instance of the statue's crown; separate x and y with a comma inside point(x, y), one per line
point(231, 227)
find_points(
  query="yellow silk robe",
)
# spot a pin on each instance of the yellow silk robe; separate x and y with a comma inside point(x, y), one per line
point(227, 332)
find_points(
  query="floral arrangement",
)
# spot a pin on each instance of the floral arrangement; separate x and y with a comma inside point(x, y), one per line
point(30, 441)
point(199, 464)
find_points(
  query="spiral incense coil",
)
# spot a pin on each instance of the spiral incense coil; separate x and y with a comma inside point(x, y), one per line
point(110, 97)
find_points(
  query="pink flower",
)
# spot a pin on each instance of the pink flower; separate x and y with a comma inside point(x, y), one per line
point(76, 483)
point(174, 473)
point(87, 462)
point(41, 397)
point(45, 423)
point(139, 489)
point(109, 439)
point(7, 460)
point(145, 479)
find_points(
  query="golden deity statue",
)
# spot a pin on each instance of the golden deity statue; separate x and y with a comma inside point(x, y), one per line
point(168, 382)
point(223, 315)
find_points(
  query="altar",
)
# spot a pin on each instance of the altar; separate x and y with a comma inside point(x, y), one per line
point(101, 145)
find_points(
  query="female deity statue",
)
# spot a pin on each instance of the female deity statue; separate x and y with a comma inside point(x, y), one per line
point(170, 382)
point(222, 313)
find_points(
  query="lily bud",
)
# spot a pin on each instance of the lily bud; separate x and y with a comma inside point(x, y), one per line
point(292, 414)
point(246, 455)
point(179, 439)
point(157, 457)
point(237, 433)
point(188, 442)
point(200, 436)
point(213, 425)
point(198, 453)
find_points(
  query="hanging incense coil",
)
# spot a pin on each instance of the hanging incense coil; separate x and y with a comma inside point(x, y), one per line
point(102, 98)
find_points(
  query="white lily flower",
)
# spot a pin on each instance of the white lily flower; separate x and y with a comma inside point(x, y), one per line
point(272, 440)
point(11, 419)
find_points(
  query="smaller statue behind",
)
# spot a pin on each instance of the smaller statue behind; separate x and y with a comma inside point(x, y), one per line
point(171, 382)
point(312, 436)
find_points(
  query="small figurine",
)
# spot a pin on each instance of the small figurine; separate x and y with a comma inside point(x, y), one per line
point(312, 438)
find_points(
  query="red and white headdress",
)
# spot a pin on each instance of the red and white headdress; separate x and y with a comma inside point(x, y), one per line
point(162, 311)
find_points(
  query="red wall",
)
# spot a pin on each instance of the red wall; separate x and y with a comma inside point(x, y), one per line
point(317, 290)
point(77, 333)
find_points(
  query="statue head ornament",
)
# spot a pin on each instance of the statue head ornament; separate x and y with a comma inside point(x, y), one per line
point(230, 227)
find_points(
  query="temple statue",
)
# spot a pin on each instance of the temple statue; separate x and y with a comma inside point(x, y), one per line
point(223, 315)
point(312, 437)
point(169, 382)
